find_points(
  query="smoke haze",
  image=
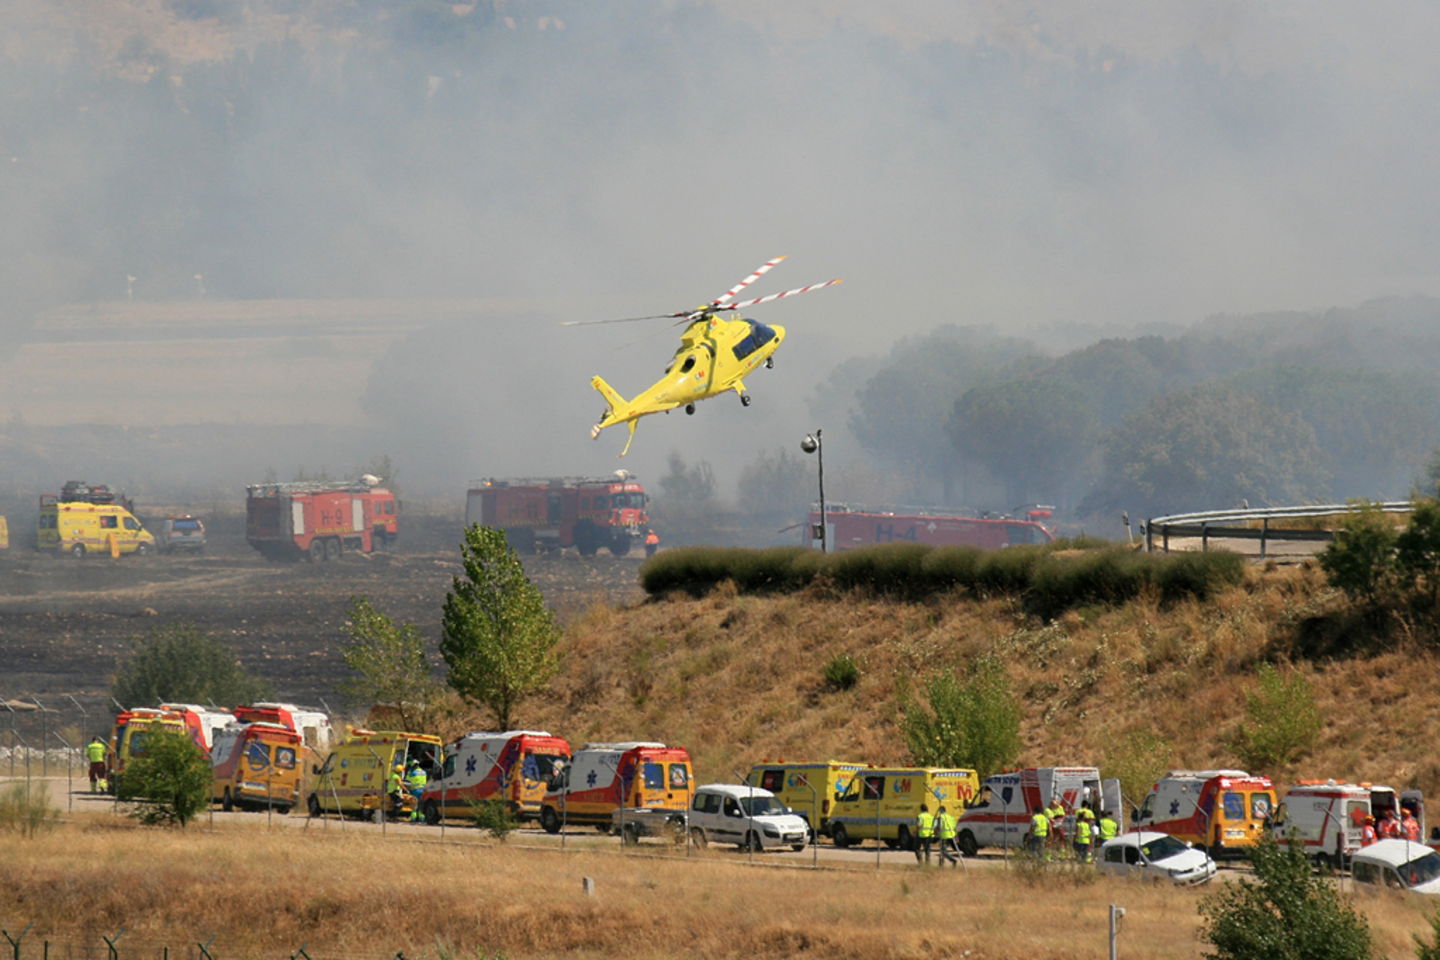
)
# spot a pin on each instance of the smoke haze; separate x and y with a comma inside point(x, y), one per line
point(1045, 170)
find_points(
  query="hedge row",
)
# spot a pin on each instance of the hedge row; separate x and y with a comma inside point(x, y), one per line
point(1048, 580)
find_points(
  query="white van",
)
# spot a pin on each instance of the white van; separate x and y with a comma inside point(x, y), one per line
point(1327, 816)
point(1398, 864)
point(749, 817)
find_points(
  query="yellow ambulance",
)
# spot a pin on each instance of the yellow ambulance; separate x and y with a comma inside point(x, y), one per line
point(810, 789)
point(354, 777)
point(90, 528)
point(4, 535)
point(882, 802)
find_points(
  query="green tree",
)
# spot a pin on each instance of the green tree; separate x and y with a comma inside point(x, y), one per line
point(1361, 560)
point(969, 721)
point(777, 485)
point(391, 666)
point(1030, 434)
point(1282, 721)
point(497, 637)
point(171, 779)
point(179, 663)
point(1207, 448)
point(1417, 554)
point(1287, 913)
point(1137, 759)
point(687, 488)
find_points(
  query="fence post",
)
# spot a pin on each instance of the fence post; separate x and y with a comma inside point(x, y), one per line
point(205, 948)
point(110, 943)
point(1264, 532)
point(15, 941)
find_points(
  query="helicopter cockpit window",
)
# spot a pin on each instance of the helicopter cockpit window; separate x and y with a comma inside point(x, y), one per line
point(688, 365)
point(758, 336)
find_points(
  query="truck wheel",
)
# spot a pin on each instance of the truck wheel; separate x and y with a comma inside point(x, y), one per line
point(968, 846)
point(697, 837)
point(620, 544)
point(587, 538)
point(907, 840)
point(141, 549)
point(751, 843)
point(332, 548)
point(227, 803)
point(630, 836)
point(317, 550)
point(432, 813)
point(549, 820)
point(313, 805)
point(840, 836)
point(78, 550)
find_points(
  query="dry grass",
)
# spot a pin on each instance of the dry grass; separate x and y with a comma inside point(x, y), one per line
point(265, 893)
point(737, 679)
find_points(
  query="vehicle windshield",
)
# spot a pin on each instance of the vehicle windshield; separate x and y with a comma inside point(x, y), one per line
point(1421, 869)
point(762, 806)
point(1161, 848)
point(540, 766)
point(186, 525)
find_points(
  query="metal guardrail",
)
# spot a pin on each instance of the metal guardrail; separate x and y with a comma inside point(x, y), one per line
point(1238, 524)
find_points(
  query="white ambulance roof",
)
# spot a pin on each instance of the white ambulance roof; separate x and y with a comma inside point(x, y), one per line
point(1206, 774)
point(491, 735)
point(624, 745)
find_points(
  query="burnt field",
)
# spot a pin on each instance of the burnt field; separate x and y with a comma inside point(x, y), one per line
point(64, 623)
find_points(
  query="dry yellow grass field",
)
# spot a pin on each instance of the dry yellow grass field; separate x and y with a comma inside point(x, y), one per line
point(265, 893)
point(738, 678)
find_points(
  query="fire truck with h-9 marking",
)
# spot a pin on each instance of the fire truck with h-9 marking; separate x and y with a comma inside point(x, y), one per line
point(548, 515)
point(320, 520)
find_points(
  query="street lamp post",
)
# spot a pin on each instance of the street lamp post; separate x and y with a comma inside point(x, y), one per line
point(812, 444)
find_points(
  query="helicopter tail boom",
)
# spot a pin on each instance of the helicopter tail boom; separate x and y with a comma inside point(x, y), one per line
point(611, 395)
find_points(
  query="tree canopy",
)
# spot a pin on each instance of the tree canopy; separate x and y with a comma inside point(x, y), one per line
point(179, 663)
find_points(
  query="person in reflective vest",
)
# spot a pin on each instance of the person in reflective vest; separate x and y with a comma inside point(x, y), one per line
point(924, 834)
point(946, 829)
point(1389, 826)
point(95, 751)
point(415, 781)
point(1056, 814)
point(1367, 831)
point(395, 790)
point(1039, 832)
point(1109, 828)
point(1409, 826)
point(1082, 839)
point(652, 542)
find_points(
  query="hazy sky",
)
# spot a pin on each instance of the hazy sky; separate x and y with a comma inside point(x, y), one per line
point(1043, 167)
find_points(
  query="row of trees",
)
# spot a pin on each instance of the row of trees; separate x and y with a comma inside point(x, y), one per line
point(1272, 410)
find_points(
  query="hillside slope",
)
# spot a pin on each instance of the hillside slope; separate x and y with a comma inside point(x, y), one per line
point(739, 678)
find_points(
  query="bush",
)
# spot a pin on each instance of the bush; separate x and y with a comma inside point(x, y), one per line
point(27, 811)
point(494, 816)
point(892, 569)
point(965, 722)
point(172, 780)
point(1283, 721)
point(1198, 576)
point(1111, 576)
point(951, 568)
point(842, 673)
point(1288, 913)
point(1009, 571)
point(178, 663)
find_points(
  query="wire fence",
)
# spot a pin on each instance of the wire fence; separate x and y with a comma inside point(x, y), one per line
point(29, 944)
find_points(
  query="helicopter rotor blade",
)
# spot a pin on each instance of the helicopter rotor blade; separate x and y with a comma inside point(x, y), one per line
point(777, 296)
point(759, 272)
point(658, 316)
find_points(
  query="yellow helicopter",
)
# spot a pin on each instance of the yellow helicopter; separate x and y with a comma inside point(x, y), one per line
point(715, 354)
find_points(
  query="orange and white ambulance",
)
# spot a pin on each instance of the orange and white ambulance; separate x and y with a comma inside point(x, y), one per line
point(201, 722)
point(1000, 817)
point(1224, 811)
point(515, 766)
point(809, 789)
point(132, 728)
point(882, 802)
point(256, 764)
point(606, 777)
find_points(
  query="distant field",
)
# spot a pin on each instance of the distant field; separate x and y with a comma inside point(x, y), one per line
point(222, 361)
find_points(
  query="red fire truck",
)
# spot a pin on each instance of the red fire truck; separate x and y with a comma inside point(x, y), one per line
point(861, 527)
point(552, 514)
point(319, 521)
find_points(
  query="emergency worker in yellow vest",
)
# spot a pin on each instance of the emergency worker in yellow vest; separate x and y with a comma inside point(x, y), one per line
point(1039, 833)
point(95, 752)
point(1109, 827)
point(924, 834)
point(1056, 815)
point(945, 826)
point(1084, 832)
point(415, 781)
point(395, 789)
